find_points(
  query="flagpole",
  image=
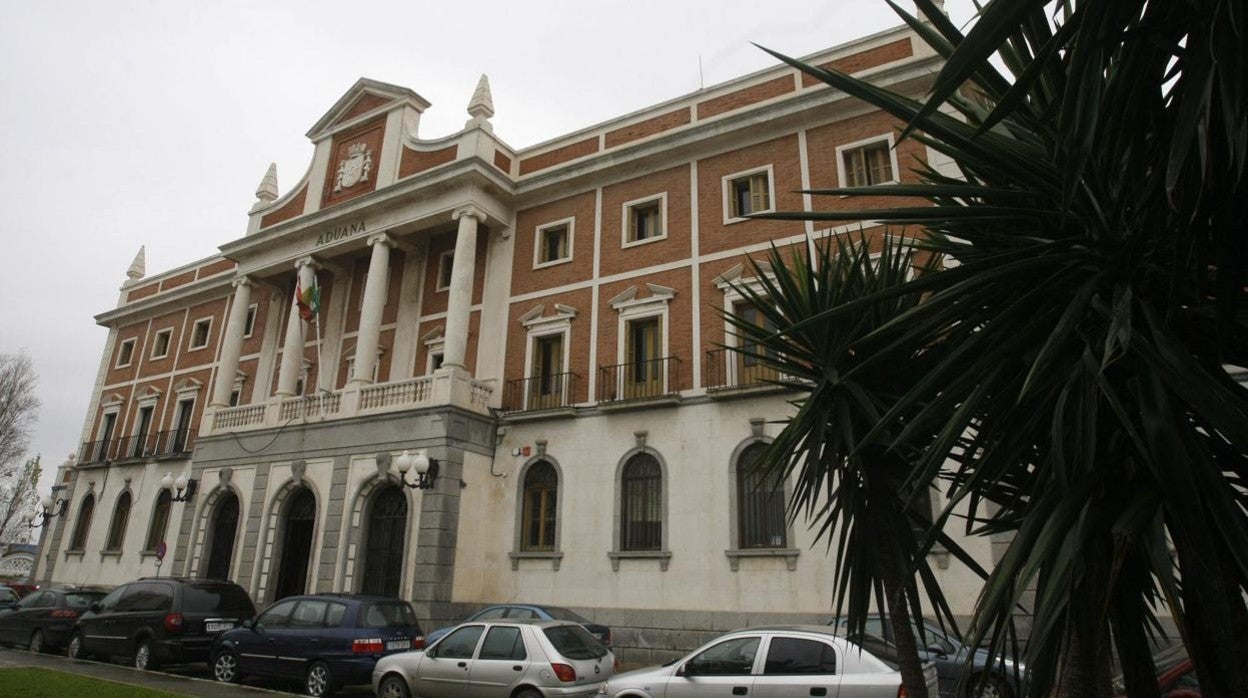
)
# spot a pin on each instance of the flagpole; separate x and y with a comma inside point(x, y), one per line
point(316, 319)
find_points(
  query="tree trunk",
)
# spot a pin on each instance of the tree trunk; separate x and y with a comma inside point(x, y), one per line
point(1086, 663)
point(903, 637)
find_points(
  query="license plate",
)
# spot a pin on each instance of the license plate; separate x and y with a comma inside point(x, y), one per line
point(399, 645)
point(217, 626)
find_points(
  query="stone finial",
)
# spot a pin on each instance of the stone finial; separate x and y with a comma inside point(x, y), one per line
point(266, 193)
point(481, 106)
point(138, 268)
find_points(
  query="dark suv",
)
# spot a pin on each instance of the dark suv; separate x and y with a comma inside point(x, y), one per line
point(157, 621)
point(323, 640)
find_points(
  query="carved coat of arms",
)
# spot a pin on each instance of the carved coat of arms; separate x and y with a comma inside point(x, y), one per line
point(354, 168)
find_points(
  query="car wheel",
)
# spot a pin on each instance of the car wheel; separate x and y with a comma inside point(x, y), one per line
point(394, 686)
point(987, 687)
point(319, 681)
point(77, 648)
point(225, 667)
point(529, 693)
point(36, 642)
point(143, 656)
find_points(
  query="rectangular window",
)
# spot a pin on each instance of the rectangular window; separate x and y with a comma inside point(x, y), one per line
point(106, 436)
point(750, 193)
point(868, 164)
point(644, 221)
point(141, 447)
point(554, 243)
point(124, 353)
point(199, 333)
point(160, 345)
point(643, 369)
point(250, 323)
point(546, 386)
point(445, 266)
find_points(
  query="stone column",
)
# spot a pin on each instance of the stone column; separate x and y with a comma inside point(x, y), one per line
point(460, 293)
point(292, 348)
point(376, 288)
point(232, 346)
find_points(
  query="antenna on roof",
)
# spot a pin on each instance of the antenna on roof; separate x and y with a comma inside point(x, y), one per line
point(701, 80)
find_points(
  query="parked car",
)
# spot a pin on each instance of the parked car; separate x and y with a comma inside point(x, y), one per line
point(23, 590)
point(505, 658)
point(1176, 675)
point(323, 640)
point(527, 611)
point(43, 620)
point(154, 621)
point(805, 660)
point(8, 597)
point(987, 680)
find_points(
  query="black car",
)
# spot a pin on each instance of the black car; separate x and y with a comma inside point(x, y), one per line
point(42, 621)
point(154, 621)
point(324, 640)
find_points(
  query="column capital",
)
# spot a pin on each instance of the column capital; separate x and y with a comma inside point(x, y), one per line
point(381, 239)
point(468, 210)
point(242, 280)
point(308, 261)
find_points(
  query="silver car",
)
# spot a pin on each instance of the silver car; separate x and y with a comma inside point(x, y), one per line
point(795, 660)
point(500, 659)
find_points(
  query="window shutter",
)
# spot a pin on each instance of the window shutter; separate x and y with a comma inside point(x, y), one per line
point(880, 163)
point(758, 193)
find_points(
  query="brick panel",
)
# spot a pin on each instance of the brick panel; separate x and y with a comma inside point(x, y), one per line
point(289, 210)
point(142, 292)
point(746, 96)
point(559, 155)
point(648, 127)
point(261, 295)
point(251, 367)
point(371, 135)
point(414, 161)
point(526, 279)
point(422, 351)
point(137, 333)
point(821, 144)
point(716, 236)
point(857, 62)
point(680, 321)
point(676, 246)
point(182, 279)
point(435, 301)
point(502, 162)
point(172, 321)
point(366, 103)
point(576, 347)
point(207, 354)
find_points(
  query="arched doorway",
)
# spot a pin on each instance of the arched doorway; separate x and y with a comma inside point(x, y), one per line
point(383, 551)
point(292, 573)
point(221, 545)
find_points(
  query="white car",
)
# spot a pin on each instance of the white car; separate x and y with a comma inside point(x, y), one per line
point(500, 659)
point(795, 660)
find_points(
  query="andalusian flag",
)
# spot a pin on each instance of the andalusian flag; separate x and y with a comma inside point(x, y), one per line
point(308, 300)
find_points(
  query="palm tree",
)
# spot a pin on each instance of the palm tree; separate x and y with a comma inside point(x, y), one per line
point(1074, 391)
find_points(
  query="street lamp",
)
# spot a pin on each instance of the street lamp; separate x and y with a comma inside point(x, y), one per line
point(182, 484)
point(49, 510)
point(426, 469)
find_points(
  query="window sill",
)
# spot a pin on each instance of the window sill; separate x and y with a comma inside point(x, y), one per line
point(789, 555)
point(552, 263)
point(78, 553)
point(555, 558)
point(663, 556)
point(743, 219)
point(634, 243)
point(105, 554)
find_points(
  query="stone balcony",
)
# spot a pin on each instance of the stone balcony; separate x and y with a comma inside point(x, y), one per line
point(446, 387)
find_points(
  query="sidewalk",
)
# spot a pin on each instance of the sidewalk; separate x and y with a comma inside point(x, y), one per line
point(10, 659)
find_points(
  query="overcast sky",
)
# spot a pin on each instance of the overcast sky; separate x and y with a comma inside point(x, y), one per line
point(151, 123)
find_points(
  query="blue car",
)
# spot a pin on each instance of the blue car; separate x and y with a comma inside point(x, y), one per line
point(325, 641)
point(525, 611)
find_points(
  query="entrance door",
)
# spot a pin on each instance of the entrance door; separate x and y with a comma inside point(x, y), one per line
point(292, 575)
point(221, 547)
point(643, 372)
point(181, 437)
point(383, 553)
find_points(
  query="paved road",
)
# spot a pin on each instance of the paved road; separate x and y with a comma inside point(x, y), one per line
point(190, 680)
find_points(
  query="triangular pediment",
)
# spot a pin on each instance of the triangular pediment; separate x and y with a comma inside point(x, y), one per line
point(365, 97)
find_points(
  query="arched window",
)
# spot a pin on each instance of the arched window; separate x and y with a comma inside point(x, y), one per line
point(760, 504)
point(641, 504)
point(121, 516)
point(160, 520)
point(541, 495)
point(83, 525)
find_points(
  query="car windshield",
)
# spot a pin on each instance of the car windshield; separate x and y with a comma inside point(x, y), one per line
point(7, 594)
point(574, 642)
point(82, 599)
point(216, 598)
point(564, 614)
point(388, 614)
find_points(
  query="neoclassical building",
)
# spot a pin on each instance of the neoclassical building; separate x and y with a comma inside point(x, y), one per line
point(543, 327)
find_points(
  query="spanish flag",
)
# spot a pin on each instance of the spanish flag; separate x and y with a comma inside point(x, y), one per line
point(308, 300)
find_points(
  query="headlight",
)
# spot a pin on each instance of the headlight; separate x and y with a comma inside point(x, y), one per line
point(602, 690)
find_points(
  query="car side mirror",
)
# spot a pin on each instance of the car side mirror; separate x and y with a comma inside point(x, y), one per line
point(937, 650)
point(248, 624)
point(94, 607)
point(687, 669)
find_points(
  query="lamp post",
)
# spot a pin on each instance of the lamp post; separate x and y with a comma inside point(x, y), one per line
point(426, 469)
point(183, 487)
point(49, 510)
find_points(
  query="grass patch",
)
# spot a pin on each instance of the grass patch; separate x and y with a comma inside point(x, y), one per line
point(27, 682)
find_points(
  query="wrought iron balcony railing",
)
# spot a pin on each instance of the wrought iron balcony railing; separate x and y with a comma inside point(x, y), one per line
point(536, 393)
point(729, 368)
point(639, 380)
point(160, 444)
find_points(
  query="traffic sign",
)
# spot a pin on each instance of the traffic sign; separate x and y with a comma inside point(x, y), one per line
point(160, 551)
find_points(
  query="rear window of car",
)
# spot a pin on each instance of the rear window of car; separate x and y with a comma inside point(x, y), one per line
point(388, 614)
point(216, 598)
point(7, 594)
point(564, 614)
point(575, 642)
point(83, 599)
